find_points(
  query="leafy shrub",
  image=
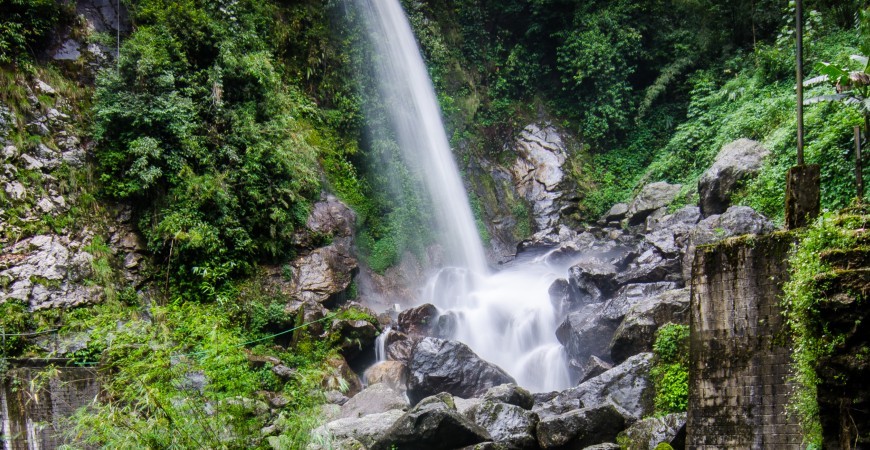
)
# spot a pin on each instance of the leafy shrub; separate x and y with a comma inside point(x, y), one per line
point(670, 370)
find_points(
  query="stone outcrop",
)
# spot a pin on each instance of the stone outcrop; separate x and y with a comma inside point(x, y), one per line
point(539, 175)
point(47, 253)
point(439, 365)
point(347, 432)
point(735, 164)
point(626, 386)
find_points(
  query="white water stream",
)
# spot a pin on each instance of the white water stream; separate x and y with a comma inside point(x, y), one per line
point(505, 317)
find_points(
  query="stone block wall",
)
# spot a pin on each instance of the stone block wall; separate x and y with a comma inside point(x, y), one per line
point(32, 411)
point(739, 357)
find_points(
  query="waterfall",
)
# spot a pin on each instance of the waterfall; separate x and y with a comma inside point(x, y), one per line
point(505, 317)
point(416, 117)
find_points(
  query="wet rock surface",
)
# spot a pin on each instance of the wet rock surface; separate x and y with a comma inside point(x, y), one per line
point(432, 424)
point(580, 428)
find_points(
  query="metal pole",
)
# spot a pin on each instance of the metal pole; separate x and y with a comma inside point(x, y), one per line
point(800, 81)
point(859, 176)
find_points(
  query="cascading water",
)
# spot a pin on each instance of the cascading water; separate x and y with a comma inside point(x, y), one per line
point(505, 317)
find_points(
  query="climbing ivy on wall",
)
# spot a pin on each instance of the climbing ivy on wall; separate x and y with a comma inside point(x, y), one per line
point(803, 301)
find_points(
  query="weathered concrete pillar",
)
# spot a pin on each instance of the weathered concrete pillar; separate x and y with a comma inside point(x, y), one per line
point(739, 358)
point(802, 196)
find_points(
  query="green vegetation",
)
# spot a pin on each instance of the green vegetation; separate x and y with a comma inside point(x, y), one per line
point(179, 377)
point(670, 370)
point(654, 89)
point(198, 129)
point(806, 295)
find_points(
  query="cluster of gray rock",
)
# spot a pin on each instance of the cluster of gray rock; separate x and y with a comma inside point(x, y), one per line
point(627, 283)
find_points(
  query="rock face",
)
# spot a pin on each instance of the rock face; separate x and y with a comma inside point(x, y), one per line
point(538, 173)
point(735, 163)
point(324, 273)
point(439, 365)
point(652, 197)
point(432, 425)
point(531, 192)
point(580, 428)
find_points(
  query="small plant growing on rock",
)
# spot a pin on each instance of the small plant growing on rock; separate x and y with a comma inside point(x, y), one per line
point(670, 370)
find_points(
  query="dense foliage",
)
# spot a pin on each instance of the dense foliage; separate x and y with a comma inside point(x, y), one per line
point(198, 127)
point(25, 25)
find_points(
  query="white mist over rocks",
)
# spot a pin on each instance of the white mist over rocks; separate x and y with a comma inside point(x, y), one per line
point(505, 317)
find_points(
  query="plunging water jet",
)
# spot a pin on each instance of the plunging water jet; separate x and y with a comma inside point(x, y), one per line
point(506, 317)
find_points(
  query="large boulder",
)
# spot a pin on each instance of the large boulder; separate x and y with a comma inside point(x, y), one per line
point(510, 394)
point(580, 428)
point(375, 399)
point(616, 213)
point(629, 295)
point(648, 433)
point(652, 197)
point(366, 430)
point(669, 234)
point(432, 425)
point(509, 425)
point(650, 267)
point(636, 333)
point(439, 365)
point(392, 373)
point(627, 386)
point(736, 221)
point(735, 163)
